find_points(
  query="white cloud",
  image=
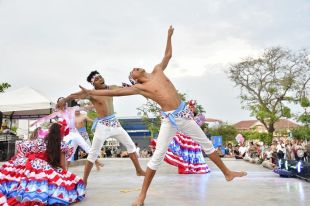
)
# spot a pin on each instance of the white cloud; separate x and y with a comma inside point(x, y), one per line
point(53, 45)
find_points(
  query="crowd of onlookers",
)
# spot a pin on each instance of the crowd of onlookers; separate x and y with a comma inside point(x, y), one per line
point(258, 152)
point(117, 152)
point(252, 151)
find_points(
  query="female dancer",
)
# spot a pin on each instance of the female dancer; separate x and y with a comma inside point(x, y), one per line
point(74, 138)
point(37, 175)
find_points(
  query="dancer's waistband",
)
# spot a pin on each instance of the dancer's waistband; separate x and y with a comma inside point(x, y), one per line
point(83, 129)
point(172, 114)
point(98, 119)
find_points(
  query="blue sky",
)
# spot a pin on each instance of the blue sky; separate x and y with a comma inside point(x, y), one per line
point(53, 45)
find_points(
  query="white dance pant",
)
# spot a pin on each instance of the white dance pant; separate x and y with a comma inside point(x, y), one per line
point(167, 131)
point(75, 139)
point(102, 133)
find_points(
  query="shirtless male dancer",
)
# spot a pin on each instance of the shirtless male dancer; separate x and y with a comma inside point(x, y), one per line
point(176, 116)
point(80, 123)
point(106, 125)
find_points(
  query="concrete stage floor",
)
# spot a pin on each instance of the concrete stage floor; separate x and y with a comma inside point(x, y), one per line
point(117, 185)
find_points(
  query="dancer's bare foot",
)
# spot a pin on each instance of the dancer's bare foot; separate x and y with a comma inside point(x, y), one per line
point(139, 201)
point(140, 173)
point(232, 174)
point(98, 165)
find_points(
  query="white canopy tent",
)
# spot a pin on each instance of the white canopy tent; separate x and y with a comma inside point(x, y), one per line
point(24, 103)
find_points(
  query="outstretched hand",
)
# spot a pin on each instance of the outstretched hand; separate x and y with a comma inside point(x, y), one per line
point(83, 94)
point(85, 91)
point(170, 30)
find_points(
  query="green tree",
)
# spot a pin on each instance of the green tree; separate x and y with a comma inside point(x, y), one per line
point(151, 116)
point(4, 86)
point(301, 133)
point(254, 135)
point(91, 114)
point(304, 118)
point(269, 82)
point(228, 132)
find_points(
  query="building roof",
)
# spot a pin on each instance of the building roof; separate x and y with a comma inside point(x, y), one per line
point(213, 120)
point(279, 125)
point(285, 124)
point(245, 124)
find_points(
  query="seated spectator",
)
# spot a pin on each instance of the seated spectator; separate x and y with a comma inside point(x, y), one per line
point(109, 152)
point(150, 152)
point(219, 151)
point(229, 151)
point(268, 164)
point(103, 154)
point(124, 154)
point(144, 153)
point(242, 150)
point(252, 150)
point(237, 153)
point(82, 154)
point(118, 152)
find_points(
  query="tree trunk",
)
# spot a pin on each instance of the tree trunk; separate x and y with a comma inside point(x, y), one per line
point(271, 129)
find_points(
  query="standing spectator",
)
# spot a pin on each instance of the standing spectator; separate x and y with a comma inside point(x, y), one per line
point(280, 150)
point(137, 149)
point(299, 151)
point(289, 151)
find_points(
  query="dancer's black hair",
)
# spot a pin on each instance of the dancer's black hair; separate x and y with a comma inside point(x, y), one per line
point(53, 144)
point(90, 76)
point(59, 99)
point(73, 103)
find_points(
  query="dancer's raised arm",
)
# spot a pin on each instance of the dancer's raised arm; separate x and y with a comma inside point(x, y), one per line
point(70, 98)
point(168, 51)
point(125, 91)
point(44, 119)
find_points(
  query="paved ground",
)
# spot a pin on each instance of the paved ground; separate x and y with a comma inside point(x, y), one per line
point(117, 185)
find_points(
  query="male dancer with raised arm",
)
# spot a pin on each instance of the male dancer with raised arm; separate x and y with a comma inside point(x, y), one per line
point(175, 116)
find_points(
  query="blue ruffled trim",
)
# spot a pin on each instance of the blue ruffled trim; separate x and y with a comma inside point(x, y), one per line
point(188, 155)
point(49, 193)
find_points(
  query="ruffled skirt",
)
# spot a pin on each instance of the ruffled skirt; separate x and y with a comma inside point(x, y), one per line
point(35, 182)
point(186, 154)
